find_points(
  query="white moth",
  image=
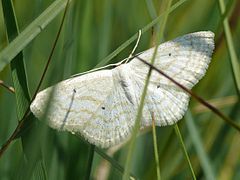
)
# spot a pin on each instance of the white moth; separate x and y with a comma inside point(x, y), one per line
point(102, 105)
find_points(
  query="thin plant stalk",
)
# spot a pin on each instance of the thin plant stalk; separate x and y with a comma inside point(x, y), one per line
point(235, 66)
point(155, 148)
point(184, 150)
point(140, 108)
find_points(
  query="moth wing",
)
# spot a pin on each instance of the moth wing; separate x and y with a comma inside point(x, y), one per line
point(185, 59)
point(93, 105)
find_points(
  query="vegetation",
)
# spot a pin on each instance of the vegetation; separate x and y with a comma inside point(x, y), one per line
point(94, 33)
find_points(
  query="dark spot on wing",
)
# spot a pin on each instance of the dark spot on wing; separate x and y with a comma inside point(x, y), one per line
point(103, 108)
point(126, 91)
point(123, 83)
point(169, 54)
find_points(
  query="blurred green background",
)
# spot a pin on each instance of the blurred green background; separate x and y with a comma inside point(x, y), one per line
point(91, 31)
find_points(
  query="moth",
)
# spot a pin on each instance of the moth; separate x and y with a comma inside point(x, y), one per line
point(102, 105)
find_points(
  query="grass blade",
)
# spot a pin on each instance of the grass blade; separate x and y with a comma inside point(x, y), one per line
point(233, 56)
point(39, 172)
point(196, 140)
point(134, 37)
point(17, 68)
point(28, 34)
point(155, 148)
point(90, 161)
point(112, 161)
point(144, 93)
point(17, 65)
point(184, 150)
point(27, 114)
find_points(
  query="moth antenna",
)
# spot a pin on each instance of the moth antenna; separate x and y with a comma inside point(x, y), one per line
point(135, 47)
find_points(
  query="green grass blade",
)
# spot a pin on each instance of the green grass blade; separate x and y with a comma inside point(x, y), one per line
point(104, 42)
point(28, 34)
point(17, 65)
point(218, 148)
point(39, 172)
point(90, 161)
point(233, 56)
point(196, 140)
point(144, 93)
point(155, 149)
point(19, 79)
point(151, 9)
point(177, 131)
point(162, 24)
point(228, 8)
point(136, 128)
point(112, 161)
point(135, 36)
